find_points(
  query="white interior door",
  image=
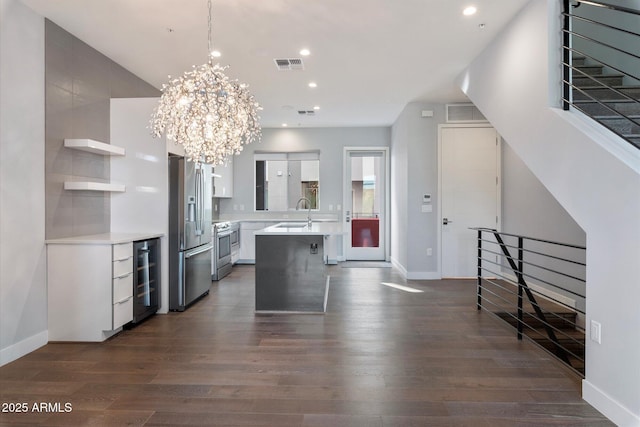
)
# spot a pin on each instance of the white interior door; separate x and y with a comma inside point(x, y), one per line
point(470, 196)
point(365, 204)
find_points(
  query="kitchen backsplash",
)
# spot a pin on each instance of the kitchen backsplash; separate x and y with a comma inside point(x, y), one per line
point(79, 82)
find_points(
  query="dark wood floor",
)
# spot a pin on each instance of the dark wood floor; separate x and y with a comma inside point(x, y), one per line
point(379, 357)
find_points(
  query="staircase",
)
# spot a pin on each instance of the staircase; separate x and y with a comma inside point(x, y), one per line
point(608, 89)
point(563, 323)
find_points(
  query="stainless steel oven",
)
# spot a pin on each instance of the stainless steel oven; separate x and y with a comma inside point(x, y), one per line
point(226, 241)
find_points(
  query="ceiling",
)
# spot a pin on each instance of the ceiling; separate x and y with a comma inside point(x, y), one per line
point(369, 58)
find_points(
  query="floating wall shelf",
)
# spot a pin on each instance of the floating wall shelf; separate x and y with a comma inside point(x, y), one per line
point(96, 147)
point(93, 186)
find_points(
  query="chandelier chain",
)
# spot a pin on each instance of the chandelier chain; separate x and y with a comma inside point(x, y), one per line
point(209, 114)
point(209, 35)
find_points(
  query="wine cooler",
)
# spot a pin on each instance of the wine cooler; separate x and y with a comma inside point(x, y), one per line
point(146, 279)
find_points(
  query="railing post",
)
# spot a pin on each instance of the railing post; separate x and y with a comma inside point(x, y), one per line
point(520, 289)
point(560, 351)
point(479, 269)
point(566, 54)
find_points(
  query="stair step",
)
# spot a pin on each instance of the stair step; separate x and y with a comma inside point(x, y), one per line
point(578, 61)
point(593, 108)
point(563, 322)
point(600, 79)
point(621, 125)
point(573, 346)
point(606, 93)
point(592, 70)
point(560, 320)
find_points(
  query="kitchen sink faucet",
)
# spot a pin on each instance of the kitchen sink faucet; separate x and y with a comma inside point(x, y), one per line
point(308, 204)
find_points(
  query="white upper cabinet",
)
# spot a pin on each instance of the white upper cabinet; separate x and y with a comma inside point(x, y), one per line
point(223, 179)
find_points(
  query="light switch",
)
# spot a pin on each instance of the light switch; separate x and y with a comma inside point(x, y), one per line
point(427, 208)
point(596, 332)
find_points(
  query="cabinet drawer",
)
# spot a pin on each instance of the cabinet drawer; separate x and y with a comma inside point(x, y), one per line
point(122, 288)
point(122, 268)
point(122, 251)
point(122, 312)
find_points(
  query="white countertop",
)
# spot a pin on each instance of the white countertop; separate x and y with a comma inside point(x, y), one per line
point(103, 239)
point(300, 228)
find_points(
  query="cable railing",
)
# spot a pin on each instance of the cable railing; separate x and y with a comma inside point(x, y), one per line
point(538, 287)
point(601, 59)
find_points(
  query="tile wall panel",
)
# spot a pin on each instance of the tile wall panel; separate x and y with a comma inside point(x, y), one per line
point(79, 82)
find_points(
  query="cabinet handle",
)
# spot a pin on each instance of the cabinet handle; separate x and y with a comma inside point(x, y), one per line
point(123, 259)
point(122, 301)
point(122, 276)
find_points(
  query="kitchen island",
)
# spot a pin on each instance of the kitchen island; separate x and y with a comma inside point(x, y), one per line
point(291, 267)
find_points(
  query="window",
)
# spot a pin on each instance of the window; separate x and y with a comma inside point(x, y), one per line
point(282, 179)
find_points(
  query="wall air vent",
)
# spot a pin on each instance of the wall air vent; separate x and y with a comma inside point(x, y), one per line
point(460, 113)
point(289, 64)
point(307, 112)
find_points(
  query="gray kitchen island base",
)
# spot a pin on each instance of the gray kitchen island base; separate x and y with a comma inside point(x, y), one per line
point(291, 274)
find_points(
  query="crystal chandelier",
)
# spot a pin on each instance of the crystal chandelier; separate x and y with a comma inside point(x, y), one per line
point(211, 115)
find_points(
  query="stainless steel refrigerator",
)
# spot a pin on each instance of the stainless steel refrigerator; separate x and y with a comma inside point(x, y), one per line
point(189, 232)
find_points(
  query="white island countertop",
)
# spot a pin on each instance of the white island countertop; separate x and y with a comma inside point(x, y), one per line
point(300, 228)
point(103, 239)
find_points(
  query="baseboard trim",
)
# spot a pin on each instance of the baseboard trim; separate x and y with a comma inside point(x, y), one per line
point(609, 407)
point(414, 275)
point(26, 346)
point(423, 275)
point(398, 266)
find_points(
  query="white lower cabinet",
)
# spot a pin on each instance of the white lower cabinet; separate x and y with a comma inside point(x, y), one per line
point(90, 290)
point(122, 282)
point(248, 239)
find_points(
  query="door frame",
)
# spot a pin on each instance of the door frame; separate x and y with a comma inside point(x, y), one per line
point(498, 184)
point(387, 197)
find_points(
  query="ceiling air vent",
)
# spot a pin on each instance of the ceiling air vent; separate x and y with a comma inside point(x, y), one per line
point(307, 112)
point(457, 113)
point(289, 64)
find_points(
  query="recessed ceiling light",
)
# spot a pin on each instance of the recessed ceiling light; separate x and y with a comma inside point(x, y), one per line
point(305, 52)
point(317, 107)
point(216, 53)
point(284, 125)
point(468, 11)
point(313, 84)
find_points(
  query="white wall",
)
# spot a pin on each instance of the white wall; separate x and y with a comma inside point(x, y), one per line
point(593, 174)
point(23, 292)
point(529, 209)
point(330, 143)
point(144, 170)
point(399, 177)
point(414, 172)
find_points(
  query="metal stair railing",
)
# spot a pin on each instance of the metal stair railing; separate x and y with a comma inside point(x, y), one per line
point(549, 269)
point(597, 34)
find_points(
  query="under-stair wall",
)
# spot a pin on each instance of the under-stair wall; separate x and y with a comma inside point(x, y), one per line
point(594, 175)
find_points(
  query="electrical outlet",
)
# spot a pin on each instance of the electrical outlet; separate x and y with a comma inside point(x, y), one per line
point(235, 207)
point(429, 251)
point(596, 332)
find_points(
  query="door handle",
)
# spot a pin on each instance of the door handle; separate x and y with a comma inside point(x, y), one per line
point(188, 255)
point(446, 221)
